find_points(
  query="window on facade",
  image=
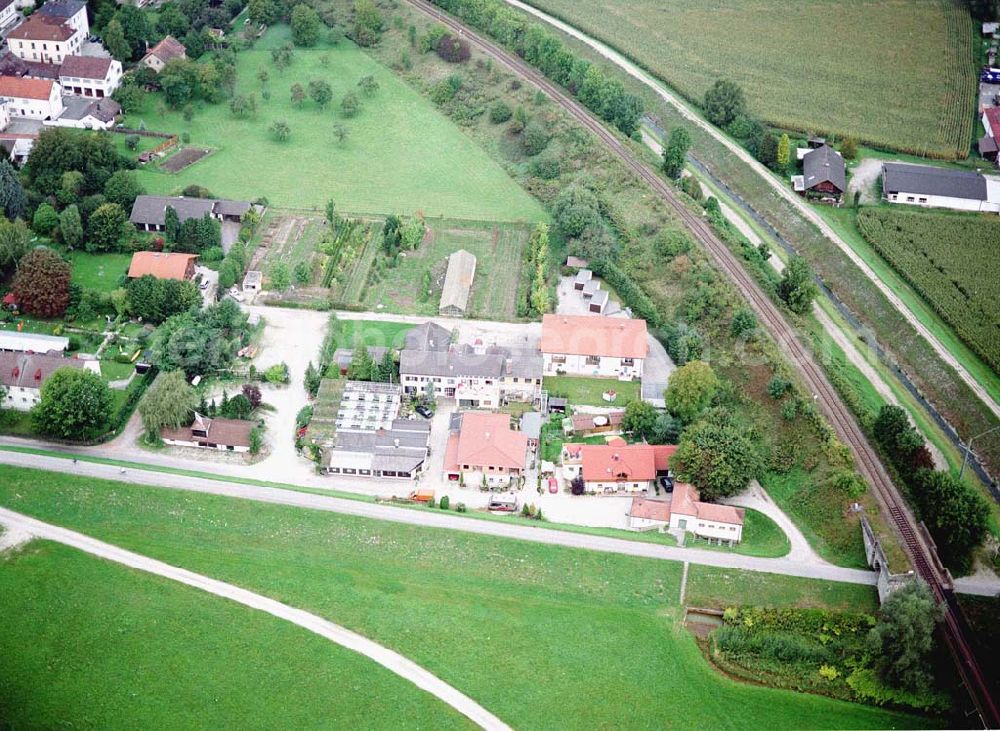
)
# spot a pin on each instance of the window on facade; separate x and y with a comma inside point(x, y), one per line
point(593, 360)
point(628, 361)
point(923, 200)
point(909, 199)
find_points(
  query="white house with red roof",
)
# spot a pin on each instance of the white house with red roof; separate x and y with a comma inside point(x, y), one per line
point(92, 76)
point(48, 37)
point(39, 99)
point(684, 511)
point(623, 469)
point(23, 374)
point(483, 447)
point(605, 347)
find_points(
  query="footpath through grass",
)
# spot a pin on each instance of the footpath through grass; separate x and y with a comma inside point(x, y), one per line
point(463, 606)
point(400, 154)
point(86, 642)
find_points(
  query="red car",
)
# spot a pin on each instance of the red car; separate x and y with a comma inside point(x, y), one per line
point(553, 485)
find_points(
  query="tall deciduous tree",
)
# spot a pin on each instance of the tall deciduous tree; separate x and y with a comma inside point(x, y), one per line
point(675, 152)
point(956, 515)
point(170, 402)
point(114, 40)
point(724, 102)
point(106, 228)
point(690, 390)
point(42, 283)
point(75, 404)
point(902, 640)
point(123, 188)
point(784, 155)
point(719, 459)
point(15, 242)
point(70, 226)
point(796, 286)
point(367, 23)
point(305, 26)
point(639, 419)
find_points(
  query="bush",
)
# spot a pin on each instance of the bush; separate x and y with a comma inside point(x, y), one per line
point(445, 502)
point(460, 507)
point(452, 49)
point(277, 374)
point(546, 167)
point(535, 138)
point(45, 219)
point(500, 112)
point(778, 387)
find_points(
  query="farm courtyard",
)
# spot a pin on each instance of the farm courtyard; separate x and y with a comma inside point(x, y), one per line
point(400, 154)
point(840, 67)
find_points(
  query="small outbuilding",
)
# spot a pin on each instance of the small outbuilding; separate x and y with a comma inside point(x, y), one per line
point(583, 277)
point(252, 282)
point(599, 302)
point(824, 175)
point(458, 284)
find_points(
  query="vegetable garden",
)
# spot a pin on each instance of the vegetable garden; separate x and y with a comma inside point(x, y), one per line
point(952, 260)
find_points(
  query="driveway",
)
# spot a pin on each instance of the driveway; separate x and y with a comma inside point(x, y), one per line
point(392, 661)
point(230, 234)
point(212, 277)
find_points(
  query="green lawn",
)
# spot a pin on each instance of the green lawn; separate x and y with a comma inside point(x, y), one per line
point(113, 371)
point(351, 333)
point(582, 391)
point(499, 627)
point(400, 154)
point(761, 537)
point(98, 271)
point(89, 643)
point(720, 588)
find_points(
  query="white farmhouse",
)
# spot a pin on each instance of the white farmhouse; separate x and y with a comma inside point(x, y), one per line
point(71, 12)
point(8, 12)
point(90, 76)
point(39, 99)
point(45, 39)
point(608, 347)
point(934, 187)
point(683, 511)
point(23, 374)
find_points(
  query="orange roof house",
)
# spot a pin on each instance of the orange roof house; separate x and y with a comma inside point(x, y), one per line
point(40, 27)
point(615, 337)
point(631, 463)
point(686, 502)
point(18, 87)
point(162, 265)
point(485, 442)
point(166, 50)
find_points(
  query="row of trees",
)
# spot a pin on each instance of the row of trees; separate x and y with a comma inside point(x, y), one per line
point(363, 366)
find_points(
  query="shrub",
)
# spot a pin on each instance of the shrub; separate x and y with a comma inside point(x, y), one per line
point(671, 242)
point(277, 374)
point(778, 387)
point(45, 219)
point(452, 49)
point(500, 112)
point(445, 502)
point(535, 138)
point(460, 507)
point(546, 167)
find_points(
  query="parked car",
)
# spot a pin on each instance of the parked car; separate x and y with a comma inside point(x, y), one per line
point(422, 496)
point(553, 485)
point(666, 483)
point(424, 411)
point(503, 503)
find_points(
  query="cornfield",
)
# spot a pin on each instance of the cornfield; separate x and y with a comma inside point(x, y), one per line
point(952, 260)
point(894, 74)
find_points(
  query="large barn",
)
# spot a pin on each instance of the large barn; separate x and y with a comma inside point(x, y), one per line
point(458, 284)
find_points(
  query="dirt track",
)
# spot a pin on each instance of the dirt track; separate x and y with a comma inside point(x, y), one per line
point(920, 551)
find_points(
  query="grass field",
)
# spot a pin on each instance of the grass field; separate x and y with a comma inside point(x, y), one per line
point(582, 391)
point(497, 248)
point(84, 642)
point(831, 67)
point(351, 333)
point(98, 271)
point(511, 608)
point(951, 259)
point(400, 154)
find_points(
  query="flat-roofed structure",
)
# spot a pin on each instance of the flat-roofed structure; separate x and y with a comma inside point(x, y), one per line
point(458, 284)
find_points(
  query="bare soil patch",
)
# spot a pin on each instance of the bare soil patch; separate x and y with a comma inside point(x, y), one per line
point(184, 158)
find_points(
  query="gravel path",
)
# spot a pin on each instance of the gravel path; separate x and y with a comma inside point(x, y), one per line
point(779, 186)
point(342, 636)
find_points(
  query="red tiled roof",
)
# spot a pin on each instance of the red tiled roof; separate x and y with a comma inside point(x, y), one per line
point(160, 265)
point(685, 501)
point(42, 28)
point(85, 67)
point(585, 422)
point(20, 88)
point(650, 509)
point(605, 463)
point(225, 432)
point(993, 120)
point(487, 440)
point(167, 49)
point(30, 370)
point(615, 337)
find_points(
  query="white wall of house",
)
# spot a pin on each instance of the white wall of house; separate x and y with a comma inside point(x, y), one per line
point(153, 62)
point(40, 109)
point(97, 88)
point(21, 398)
point(941, 201)
point(218, 447)
point(647, 523)
point(520, 389)
point(706, 528)
point(46, 51)
point(4, 116)
point(8, 14)
point(472, 391)
point(586, 365)
point(631, 487)
point(88, 122)
point(79, 22)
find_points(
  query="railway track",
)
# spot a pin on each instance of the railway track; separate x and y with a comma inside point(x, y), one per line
point(919, 549)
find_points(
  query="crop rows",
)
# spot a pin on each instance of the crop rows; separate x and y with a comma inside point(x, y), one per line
point(952, 260)
point(908, 82)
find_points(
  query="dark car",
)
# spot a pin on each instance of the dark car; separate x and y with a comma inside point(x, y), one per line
point(424, 411)
point(666, 483)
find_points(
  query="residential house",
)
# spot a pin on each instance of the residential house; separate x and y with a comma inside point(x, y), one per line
point(162, 53)
point(225, 435)
point(71, 12)
point(8, 12)
point(458, 284)
point(82, 113)
point(25, 342)
point(17, 147)
point(989, 143)
point(162, 265)
point(399, 452)
point(38, 99)
point(46, 38)
point(706, 520)
point(23, 374)
point(483, 449)
point(91, 76)
point(149, 211)
point(647, 514)
point(933, 187)
point(632, 468)
point(484, 378)
point(581, 345)
point(428, 336)
point(824, 175)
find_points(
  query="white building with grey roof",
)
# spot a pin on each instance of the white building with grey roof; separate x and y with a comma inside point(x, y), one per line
point(933, 187)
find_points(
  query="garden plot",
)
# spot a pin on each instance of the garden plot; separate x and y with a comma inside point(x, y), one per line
point(413, 285)
point(185, 158)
